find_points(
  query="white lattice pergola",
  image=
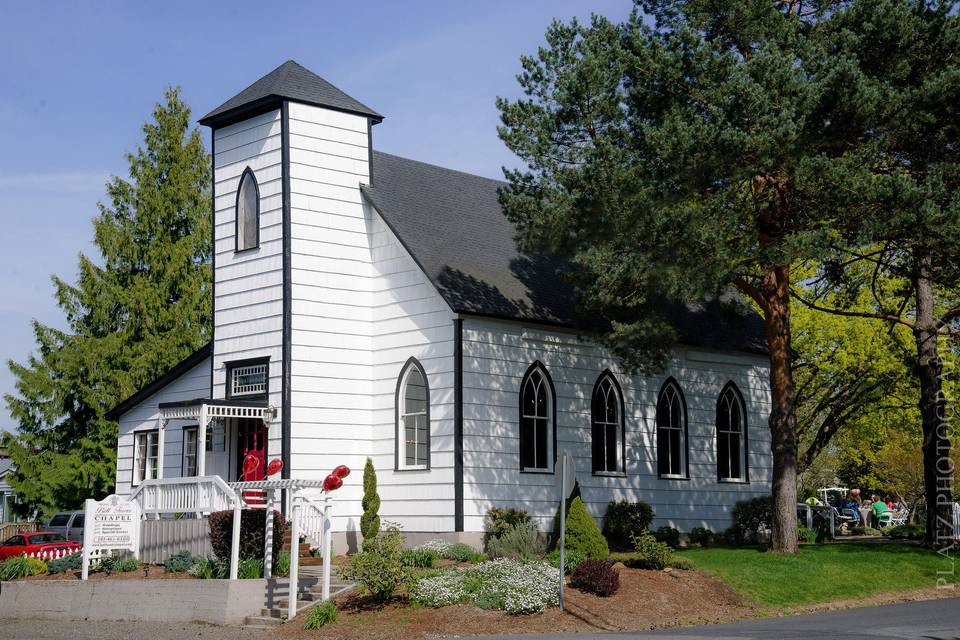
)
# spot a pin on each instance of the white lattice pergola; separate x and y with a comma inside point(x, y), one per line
point(205, 411)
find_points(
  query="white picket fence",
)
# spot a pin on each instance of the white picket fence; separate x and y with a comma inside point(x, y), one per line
point(53, 554)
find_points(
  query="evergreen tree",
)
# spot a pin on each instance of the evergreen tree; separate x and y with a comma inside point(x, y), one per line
point(673, 163)
point(140, 308)
point(370, 520)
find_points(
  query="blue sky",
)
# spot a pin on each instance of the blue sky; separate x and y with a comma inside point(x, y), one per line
point(78, 79)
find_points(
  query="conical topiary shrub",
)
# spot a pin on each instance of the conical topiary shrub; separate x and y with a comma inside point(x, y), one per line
point(583, 534)
point(370, 520)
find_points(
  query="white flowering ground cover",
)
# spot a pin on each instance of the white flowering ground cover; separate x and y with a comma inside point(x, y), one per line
point(439, 547)
point(510, 585)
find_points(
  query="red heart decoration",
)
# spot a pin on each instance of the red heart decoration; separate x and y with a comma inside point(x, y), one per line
point(250, 464)
point(275, 466)
point(342, 471)
point(332, 483)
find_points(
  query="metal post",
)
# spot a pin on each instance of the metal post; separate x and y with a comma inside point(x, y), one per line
point(327, 548)
point(235, 538)
point(563, 528)
point(268, 537)
point(294, 581)
point(833, 532)
point(809, 517)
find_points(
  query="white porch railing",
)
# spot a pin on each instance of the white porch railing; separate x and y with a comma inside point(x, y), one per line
point(312, 520)
point(204, 494)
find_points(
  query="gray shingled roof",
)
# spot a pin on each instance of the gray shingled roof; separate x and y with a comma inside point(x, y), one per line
point(453, 226)
point(294, 82)
point(6, 464)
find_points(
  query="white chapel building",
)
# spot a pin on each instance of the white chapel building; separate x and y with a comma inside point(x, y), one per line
point(368, 305)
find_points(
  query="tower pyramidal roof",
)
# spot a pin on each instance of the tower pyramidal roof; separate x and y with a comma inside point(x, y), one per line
point(289, 81)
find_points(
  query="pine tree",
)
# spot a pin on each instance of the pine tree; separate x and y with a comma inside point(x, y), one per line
point(582, 533)
point(140, 308)
point(370, 520)
point(671, 163)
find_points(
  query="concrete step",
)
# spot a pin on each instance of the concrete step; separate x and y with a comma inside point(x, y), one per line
point(261, 622)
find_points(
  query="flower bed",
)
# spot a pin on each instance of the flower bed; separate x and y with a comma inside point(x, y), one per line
point(509, 585)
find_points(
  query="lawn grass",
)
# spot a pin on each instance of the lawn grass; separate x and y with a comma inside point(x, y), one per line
point(820, 573)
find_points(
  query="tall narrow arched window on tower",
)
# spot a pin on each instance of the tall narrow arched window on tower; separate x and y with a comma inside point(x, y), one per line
point(248, 212)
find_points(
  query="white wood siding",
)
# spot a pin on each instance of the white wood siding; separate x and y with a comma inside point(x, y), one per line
point(496, 356)
point(361, 308)
point(248, 311)
point(145, 416)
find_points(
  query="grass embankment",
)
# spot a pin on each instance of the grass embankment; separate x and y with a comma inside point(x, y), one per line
point(821, 573)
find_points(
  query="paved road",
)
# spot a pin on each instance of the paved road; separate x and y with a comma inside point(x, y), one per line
point(929, 620)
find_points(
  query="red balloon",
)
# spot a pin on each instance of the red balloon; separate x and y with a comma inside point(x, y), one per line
point(275, 466)
point(332, 483)
point(250, 464)
point(342, 471)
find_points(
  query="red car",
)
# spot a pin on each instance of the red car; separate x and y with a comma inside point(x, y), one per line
point(30, 543)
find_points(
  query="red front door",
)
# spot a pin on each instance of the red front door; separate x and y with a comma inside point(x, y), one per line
point(252, 435)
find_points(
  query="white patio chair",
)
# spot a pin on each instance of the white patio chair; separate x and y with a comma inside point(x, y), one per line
point(899, 517)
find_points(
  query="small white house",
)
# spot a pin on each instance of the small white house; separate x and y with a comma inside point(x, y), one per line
point(367, 305)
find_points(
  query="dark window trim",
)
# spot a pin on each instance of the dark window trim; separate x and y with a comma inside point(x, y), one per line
point(553, 419)
point(458, 424)
point(686, 431)
point(183, 448)
point(411, 362)
point(236, 212)
point(746, 435)
point(246, 362)
point(622, 472)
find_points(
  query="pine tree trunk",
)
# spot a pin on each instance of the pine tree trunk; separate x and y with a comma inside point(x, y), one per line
point(933, 406)
point(783, 432)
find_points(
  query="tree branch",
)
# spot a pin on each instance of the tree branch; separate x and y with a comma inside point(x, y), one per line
point(851, 314)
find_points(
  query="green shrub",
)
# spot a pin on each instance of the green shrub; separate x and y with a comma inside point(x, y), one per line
point(750, 517)
point(669, 536)
point(680, 562)
point(520, 542)
point(597, 577)
point(250, 568)
point(281, 566)
point(21, 567)
point(864, 531)
point(252, 535)
point(119, 564)
point(807, 535)
point(421, 558)
point(72, 562)
point(571, 559)
point(321, 614)
point(370, 520)
point(460, 552)
point(702, 536)
point(907, 532)
point(651, 553)
point(624, 519)
point(500, 520)
point(379, 569)
point(208, 568)
point(583, 534)
point(179, 562)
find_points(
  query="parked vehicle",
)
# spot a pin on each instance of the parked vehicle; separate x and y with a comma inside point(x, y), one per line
point(69, 523)
point(42, 541)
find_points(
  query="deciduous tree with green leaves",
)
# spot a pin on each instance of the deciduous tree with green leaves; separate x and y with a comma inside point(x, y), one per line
point(136, 310)
point(673, 162)
point(900, 186)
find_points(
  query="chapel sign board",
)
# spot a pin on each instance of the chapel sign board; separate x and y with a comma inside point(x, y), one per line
point(111, 524)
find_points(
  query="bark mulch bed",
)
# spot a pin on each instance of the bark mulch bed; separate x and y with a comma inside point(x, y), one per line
point(646, 600)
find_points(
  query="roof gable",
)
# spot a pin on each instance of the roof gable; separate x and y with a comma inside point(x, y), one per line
point(289, 81)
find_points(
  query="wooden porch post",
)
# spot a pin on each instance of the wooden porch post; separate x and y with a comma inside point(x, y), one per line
point(202, 442)
point(161, 431)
